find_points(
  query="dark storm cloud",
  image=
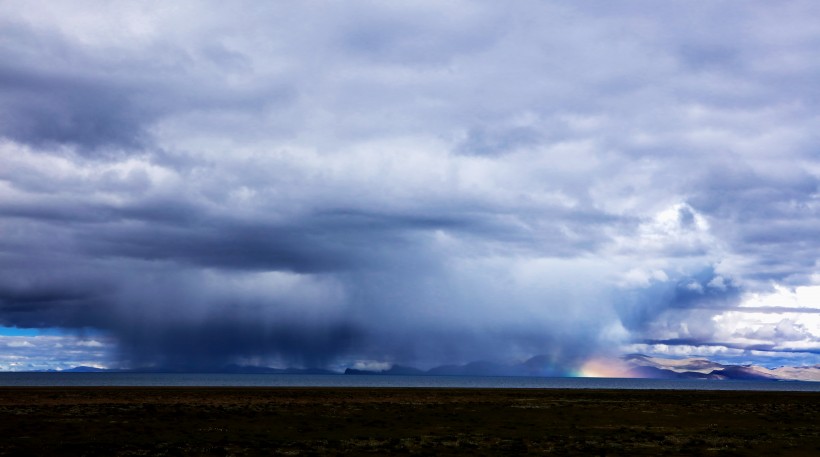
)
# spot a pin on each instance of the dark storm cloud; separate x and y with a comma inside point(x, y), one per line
point(771, 218)
point(48, 99)
point(406, 183)
point(43, 111)
point(219, 341)
point(330, 241)
point(232, 247)
point(640, 307)
point(43, 291)
point(56, 91)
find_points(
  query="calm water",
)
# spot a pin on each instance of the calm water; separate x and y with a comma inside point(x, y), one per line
point(298, 380)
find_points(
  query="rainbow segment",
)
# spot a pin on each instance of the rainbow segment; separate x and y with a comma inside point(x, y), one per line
point(603, 368)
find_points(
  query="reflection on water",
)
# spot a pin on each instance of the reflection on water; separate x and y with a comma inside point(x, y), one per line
point(300, 380)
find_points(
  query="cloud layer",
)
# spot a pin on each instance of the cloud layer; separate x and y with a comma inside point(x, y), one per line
point(411, 183)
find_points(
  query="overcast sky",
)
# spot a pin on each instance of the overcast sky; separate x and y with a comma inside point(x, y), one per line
point(335, 184)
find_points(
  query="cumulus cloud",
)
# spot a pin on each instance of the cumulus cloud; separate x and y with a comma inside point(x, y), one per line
point(408, 183)
point(52, 352)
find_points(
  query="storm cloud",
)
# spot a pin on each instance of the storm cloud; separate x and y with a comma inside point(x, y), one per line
point(296, 184)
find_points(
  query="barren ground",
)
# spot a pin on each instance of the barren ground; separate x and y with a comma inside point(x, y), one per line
point(310, 421)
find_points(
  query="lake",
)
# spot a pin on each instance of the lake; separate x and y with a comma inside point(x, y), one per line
point(376, 381)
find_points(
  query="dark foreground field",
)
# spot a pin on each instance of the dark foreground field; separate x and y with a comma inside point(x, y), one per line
point(308, 421)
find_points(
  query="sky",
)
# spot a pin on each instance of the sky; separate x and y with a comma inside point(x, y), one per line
point(362, 183)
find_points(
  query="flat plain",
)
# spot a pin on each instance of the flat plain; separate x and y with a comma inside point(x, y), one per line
point(128, 421)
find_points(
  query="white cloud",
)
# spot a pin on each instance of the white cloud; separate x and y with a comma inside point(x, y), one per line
point(807, 296)
point(51, 352)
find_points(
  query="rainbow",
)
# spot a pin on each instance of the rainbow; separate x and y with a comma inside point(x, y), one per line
point(598, 367)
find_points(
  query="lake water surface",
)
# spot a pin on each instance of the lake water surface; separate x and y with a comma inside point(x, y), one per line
point(301, 380)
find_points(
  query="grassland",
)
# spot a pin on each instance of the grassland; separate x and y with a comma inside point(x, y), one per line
point(355, 421)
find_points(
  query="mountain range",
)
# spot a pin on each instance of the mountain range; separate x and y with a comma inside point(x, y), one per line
point(642, 366)
point(632, 365)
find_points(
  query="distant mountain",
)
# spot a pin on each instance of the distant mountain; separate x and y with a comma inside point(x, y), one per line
point(635, 365)
point(479, 368)
point(643, 366)
point(396, 370)
point(535, 366)
point(84, 369)
point(253, 369)
point(230, 369)
point(811, 373)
